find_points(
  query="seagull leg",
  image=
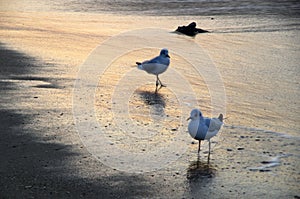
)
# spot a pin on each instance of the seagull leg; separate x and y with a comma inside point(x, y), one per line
point(208, 149)
point(157, 83)
point(199, 147)
point(161, 84)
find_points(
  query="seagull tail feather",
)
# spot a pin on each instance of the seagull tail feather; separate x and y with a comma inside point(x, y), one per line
point(221, 117)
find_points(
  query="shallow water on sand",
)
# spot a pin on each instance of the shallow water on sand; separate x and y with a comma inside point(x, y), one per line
point(258, 69)
point(256, 58)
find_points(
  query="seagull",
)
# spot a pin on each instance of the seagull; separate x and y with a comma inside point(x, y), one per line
point(203, 128)
point(156, 66)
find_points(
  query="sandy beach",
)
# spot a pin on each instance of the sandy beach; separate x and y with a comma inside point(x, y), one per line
point(43, 156)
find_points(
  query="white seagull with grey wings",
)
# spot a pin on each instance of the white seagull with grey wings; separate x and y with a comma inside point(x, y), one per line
point(156, 66)
point(203, 128)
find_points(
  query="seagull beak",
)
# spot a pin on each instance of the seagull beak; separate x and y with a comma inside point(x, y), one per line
point(188, 119)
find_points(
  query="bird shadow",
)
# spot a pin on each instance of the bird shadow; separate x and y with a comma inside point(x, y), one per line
point(155, 101)
point(151, 98)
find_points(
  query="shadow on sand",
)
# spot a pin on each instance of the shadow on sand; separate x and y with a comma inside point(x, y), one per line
point(36, 166)
point(155, 101)
point(152, 98)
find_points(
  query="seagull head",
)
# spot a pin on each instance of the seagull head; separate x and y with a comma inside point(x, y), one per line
point(195, 114)
point(164, 53)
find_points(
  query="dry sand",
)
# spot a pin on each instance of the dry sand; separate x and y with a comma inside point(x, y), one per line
point(42, 155)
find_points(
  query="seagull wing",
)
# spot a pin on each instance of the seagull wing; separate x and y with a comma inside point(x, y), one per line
point(213, 127)
point(207, 121)
point(153, 61)
point(215, 124)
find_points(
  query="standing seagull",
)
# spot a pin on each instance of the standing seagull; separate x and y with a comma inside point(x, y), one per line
point(156, 66)
point(202, 128)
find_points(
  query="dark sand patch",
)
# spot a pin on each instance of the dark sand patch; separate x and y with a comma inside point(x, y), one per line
point(37, 159)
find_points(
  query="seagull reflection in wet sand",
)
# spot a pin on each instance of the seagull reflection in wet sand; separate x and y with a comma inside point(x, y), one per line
point(200, 175)
point(200, 170)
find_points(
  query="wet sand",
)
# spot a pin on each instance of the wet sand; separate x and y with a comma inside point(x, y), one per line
point(42, 154)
